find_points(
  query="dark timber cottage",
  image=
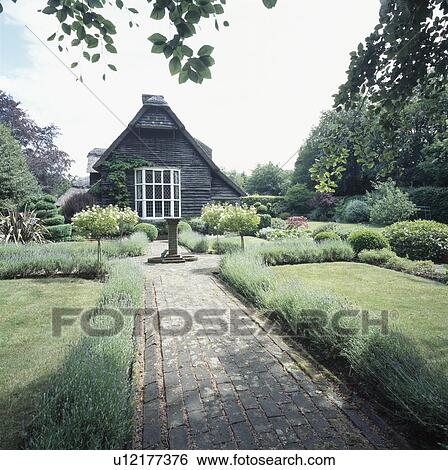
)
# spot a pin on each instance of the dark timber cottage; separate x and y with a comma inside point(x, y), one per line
point(180, 177)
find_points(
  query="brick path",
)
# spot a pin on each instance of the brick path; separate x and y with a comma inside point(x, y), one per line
point(233, 390)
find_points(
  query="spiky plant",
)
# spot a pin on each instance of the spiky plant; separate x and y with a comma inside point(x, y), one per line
point(22, 227)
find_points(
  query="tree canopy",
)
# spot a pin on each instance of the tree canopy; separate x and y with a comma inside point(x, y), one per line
point(46, 161)
point(16, 181)
point(268, 179)
point(86, 24)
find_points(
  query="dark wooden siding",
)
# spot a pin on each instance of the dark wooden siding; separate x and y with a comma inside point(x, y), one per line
point(166, 148)
point(221, 190)
point(156, 118)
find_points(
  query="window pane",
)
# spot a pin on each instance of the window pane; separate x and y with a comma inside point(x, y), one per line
point(167, 209)
point(149, 192)
point(139, 192)
point(176, 177)
point(167, 176)
point(140, 208)
point(176, 209)
point(157, 176)
point(176, 192)
point(166, 192)
point(158, 209)
point(149, 176)
point(138, 176)
point(158, 192)
point(150, 209)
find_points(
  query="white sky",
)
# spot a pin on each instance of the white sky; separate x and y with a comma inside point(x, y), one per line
point(276, 71)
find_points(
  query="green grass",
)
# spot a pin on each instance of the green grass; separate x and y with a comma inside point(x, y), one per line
point(421, 305)
point(28, 352)
point(344, 227)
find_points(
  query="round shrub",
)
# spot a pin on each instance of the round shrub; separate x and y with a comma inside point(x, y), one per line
point(60, 232)
point(198, 225)
point(262, 209)
point(376, 257)
point(419, 240)
point(149, 229)
point(323, 236)
point(367, 239)
point(356, 212)
point(44, 205)
point(48, 198)
point(55, 220)
point(265, 220)
point(184, 227)
point(278, 223)
point(46, 214)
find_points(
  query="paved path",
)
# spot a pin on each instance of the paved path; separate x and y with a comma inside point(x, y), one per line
point(226, 384)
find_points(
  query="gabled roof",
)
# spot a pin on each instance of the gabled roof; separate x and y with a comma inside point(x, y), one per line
point(152, 104)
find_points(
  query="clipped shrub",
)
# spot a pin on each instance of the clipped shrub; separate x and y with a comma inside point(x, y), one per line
point(77, 203)
point(389, 204)
point(184, 227)
point(419, 240)
point(198, 225)
point(367, 239)
point(44, 205)
point(261, 199)
point(298, 199)
point(161, 225)
point(149, 229)
point(356, 212)
point(323, 236)
point(376, 257)
point(330, 227)
point(278, 223)
point(55, 220)
point(60, 232)
point(265, 221)
point(194, 241)
point(46, 214)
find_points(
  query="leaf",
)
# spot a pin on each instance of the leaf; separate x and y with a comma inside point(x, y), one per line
point(119, 4)
point(66, 28)
point(49, 10)
point(86, 55)
point(95, 58)
point(75, 64)
point(205, 50)
point(157, 38)
point(50, 38)
point(133, 10)
point(112, 67)
point(175, 66)
point(270, 3)
point(111, 48)
point(158, 13)
point(183, 76)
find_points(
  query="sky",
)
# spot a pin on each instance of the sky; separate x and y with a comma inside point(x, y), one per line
point(276, 71)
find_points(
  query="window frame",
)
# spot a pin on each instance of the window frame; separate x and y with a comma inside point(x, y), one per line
point(144, 184)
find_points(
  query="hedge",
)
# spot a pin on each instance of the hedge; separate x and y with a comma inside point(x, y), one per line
point(262, 199)
point(433, 197)
point(60, 232)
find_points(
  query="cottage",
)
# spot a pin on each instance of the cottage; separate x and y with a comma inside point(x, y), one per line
point(174, 174)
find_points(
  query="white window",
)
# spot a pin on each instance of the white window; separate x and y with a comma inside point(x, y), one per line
point(157, 193)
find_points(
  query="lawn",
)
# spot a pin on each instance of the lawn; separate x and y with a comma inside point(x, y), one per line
point(344, 227)
point(421, 305)
point(28, 352)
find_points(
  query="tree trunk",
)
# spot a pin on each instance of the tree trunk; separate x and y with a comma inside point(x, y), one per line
point(99, 254)
point(242, 242)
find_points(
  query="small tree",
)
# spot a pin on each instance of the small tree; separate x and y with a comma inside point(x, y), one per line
point(239, 219)
point(211, 215)
point(127, 220)
point(97, 223)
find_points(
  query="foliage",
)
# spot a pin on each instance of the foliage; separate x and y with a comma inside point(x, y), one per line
point(93, 31)
point(60, 232)
point(77, 203)
point(238, 177)
point(65, 258)
point(118, 169)
point(54, 220)
point(194, 241)
point(435, 198)
point(406, 49)
point(278, 223)
point(274, 205)
point(298, 199)
point(419, 240)
point(329, 227)
point(265, 221)
point(16, 181)
point(324, 236)
point(183, 226)
point(98, 367)
point(367, 239)
point(239, 219)
point(323, 206)
point(297, 222)
point(46, 161)
point(211, 215)
point(127, 219)
point(22, 227)
point(356, 212)
point(272, 234)
point(161, 226)
point(268, 179)
point(198, 225)
point(149, 229)
point(233, 244)
point(388, 259)
point(388, 204)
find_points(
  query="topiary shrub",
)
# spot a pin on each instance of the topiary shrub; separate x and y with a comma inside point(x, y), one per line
point(356, 212)
point(60, 232)
point(419, 240)
point(323, 236)
point(44, 205)
point(376, 257)
point(198, 225)
point(46, 214)
point(149, 229)
point(367, 239)
point(77, 203)
point(184, 227)
point(265, 221)
point(55, 220)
